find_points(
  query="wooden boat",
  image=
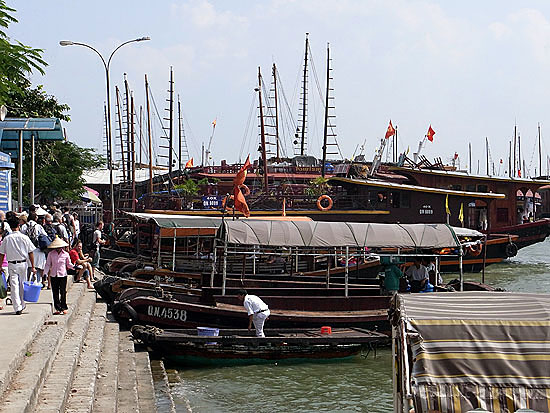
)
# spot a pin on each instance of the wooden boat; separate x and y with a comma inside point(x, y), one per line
point(177, 313)
point(235, 347)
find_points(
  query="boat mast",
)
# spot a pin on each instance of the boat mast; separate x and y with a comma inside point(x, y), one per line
point(470, 157)
point(133, 157)
point(128, 127)
point(277, 143)
point(324, 161)
point(519, 157)
point(262, 130)
point(179, 133)
point(540, 153)
point(304, 99)
point(487, 156)
point(171, 120)
point(149, 136)
point(514, 159)
point(140, 133)
point(119, 116)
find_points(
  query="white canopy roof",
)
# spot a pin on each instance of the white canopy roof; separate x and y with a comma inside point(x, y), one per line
point(340, 234)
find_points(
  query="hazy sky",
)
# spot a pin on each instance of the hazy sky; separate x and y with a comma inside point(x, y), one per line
point(471, 69)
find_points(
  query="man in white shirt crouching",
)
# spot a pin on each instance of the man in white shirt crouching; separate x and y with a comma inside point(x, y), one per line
point(257, 311)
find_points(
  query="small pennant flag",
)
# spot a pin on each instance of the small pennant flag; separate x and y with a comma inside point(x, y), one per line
point(430, 134)
point(447, 205)
point(189, 163)
point(214, 122)
point(519, 173)
point(390, 131)
point(461, 214)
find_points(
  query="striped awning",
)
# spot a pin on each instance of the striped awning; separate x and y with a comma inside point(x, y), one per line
point(488, 350)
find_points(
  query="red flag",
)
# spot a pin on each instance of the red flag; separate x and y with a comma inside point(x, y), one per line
point(430, 134)
point(456, 156)
point(239, 199)
point(189, 163)
point(390, 131)
point(519, 173)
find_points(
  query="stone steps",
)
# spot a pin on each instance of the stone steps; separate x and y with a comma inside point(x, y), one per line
point(21, 394)
point(54, 393)
point(81, 362)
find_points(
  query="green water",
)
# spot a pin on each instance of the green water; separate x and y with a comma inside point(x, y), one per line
point(359, 385)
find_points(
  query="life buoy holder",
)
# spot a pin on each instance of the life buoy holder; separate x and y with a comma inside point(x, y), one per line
point(322, 198)
point(475, 249)
point(511, 250)
point(224, 200)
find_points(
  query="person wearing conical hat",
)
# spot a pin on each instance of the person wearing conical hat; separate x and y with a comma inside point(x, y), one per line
point(56, 267)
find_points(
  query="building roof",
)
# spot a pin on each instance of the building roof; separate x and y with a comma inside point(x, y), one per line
point(416, 188)
point(48, 129)
point(101, 176)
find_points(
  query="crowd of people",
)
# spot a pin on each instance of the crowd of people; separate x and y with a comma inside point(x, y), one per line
point(43, 246)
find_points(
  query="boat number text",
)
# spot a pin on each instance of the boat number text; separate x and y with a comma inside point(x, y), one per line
point(426, 210)
point(169, 313)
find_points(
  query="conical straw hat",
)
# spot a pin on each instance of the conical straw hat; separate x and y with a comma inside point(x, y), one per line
point(58, 243)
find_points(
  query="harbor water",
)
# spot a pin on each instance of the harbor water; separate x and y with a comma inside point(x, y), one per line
point(362, 384)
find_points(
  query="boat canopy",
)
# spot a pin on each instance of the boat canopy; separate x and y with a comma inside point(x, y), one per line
point(339, 234)
point(181, 225)
point(458, 352)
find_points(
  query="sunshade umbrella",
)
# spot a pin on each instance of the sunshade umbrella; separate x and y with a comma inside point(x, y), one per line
point(89, 195)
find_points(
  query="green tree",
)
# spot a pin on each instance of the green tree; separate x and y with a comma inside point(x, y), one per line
point(317, 187)
point(17, 61)
point(188, 189)
point(59, 168)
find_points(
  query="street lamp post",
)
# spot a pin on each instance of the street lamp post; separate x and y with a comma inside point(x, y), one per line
point(109, 129)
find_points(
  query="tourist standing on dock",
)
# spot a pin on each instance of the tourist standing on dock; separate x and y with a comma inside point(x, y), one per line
point(34, 231)
point(98, 241)
point(56, 267)
point(392, 275)
point(257, 310)
point(17, 248)
point(418, 275)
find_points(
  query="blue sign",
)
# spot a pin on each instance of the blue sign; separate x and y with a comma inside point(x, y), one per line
point(5, 184)
point(212, 201)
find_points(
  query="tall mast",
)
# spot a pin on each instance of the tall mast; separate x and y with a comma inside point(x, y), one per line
point(277, 143)
point(133, 151)
point(262, 130)
point(470, 157)
point(149, 136)
point(510, 161)
point(123, 159)
point(128, 127)
point(304, 99)
point(324, 161)
point(514, 158)
point(140, 133)
point(180, 131)
point(519, 156)
point(487, 156)
point(171, 119)
point(540, 153)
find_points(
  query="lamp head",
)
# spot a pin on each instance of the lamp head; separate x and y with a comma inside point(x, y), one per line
point(141, 39)
point(66, 43)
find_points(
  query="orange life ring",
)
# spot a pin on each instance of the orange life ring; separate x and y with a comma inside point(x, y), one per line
point(475, 249)
point(320, 207)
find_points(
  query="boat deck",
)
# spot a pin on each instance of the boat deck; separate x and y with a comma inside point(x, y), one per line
point(316, 314)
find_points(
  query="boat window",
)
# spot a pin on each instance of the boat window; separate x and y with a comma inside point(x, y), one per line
point(405, 200)
point(502, 214)
point(395, 200)
point(382, 198)
point(470, 188)
point(482, 188)
point(455, 187)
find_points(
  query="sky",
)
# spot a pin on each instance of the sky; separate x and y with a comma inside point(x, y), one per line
point(470, 69)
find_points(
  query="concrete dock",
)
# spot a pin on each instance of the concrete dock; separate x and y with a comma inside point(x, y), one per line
point(70, 363)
